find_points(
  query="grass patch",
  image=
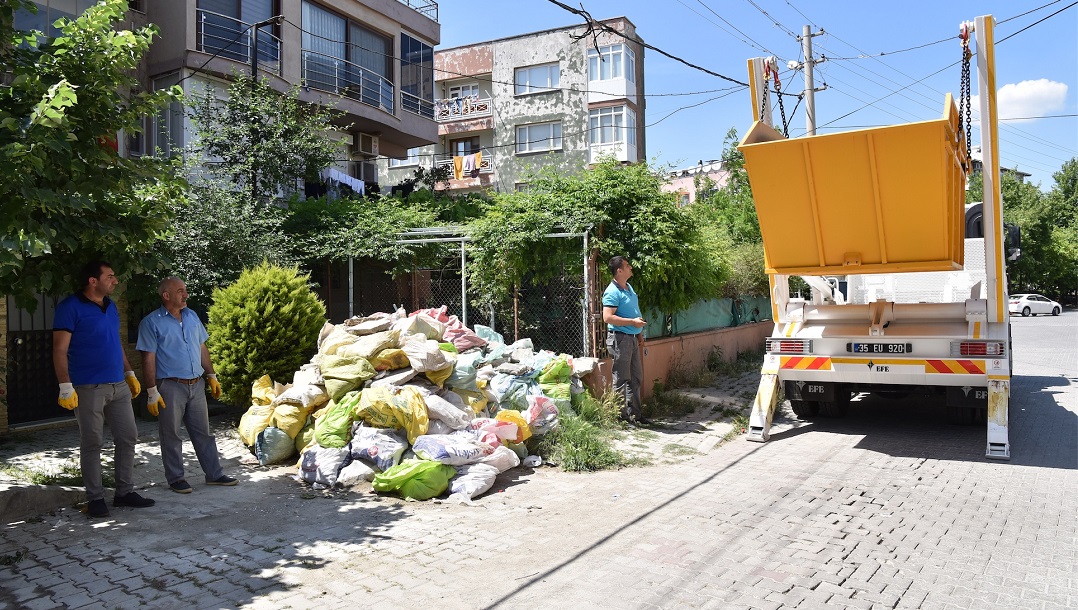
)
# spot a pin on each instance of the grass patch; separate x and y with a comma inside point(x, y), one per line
point(665, 402)
point(744, 362)
point(578, 445)
point(676, 449)
point(69, 474)
point(14, 558)
point(602, 412)
point(740, 423)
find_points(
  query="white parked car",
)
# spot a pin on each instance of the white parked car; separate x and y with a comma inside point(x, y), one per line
point(1033, 304)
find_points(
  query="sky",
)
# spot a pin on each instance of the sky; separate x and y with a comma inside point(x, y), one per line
point(871, 77)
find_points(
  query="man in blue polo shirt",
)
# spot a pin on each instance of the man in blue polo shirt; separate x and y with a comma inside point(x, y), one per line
point(97, 382)
point(174, 355)
point(624, 324)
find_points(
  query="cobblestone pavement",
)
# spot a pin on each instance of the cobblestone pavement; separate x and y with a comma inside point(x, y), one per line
point(887, 508)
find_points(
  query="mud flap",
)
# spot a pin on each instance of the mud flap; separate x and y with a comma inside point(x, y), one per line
point(999, 446)
point(763, 408)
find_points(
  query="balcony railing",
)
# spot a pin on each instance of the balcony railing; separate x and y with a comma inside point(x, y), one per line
point(486, 166)
point(328, 73)
point(423, 7)
point(231, 38)
point(417, 105)
point(459, 108)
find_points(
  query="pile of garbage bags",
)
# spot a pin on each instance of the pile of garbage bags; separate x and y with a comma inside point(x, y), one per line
point(417, 404)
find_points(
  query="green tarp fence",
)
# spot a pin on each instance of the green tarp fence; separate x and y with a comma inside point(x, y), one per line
point(708, 314)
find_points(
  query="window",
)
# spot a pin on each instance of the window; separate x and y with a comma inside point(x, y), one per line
point(168, 123)
point(136, 140)
point(458, 91)
point(537, 79)
point(222, 28)
point(413, 159)
point(539, 137)
point(136, 5)
point(48, 11)
point(612, 124)
point(417, 75)
point(613, 61)
point(370, 50)
point(464, 146)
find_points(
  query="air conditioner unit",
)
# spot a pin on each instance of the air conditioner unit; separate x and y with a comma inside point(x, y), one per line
point(365, 144)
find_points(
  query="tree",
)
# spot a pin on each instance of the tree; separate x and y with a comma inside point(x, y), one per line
point(676, 263)
point(733, 202)
point(251, 152)
point(67, 196)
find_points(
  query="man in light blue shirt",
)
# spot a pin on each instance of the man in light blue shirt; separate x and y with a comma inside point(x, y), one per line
point(624, 336)
point(174, 355)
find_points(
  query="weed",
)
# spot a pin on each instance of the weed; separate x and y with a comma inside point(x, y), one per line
point(602, 412)
point(682, 376)
point(676, 449)
point(69, 473)
point(14, 558)
point(740, 423)
point(579, 445)
point(670, 403)
point(744, 362)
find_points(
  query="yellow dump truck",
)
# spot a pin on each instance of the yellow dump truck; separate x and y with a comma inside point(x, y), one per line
point(904, 299)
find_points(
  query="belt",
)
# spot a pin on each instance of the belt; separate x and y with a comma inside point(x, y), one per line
point(618, 332)
point(184, 381)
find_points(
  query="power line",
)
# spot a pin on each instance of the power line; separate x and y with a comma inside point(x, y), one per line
point(706, 18)
point(1031, 11)
point(802, 14)
point(1044, 116)
point(773, 20)
point(1037, 22)
point(593, 25)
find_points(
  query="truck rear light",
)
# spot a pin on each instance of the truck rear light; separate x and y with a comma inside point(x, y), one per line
point(789, 346)
point(977, 348)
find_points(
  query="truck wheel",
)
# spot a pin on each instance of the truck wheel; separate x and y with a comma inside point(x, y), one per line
point(837, 407)
point(1025, 312)
point(1055, 311)
point(962, 416)
point(805, 409)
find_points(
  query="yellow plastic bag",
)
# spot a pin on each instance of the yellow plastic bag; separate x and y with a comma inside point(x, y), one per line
point(290, 418)
point(255, 420)
point(390, 359)
point(515, 417)
point(262, 392)
point(383, 407)
point(438, 377)
point(475, 400)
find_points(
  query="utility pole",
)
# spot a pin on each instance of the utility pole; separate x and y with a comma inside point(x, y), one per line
point(810, 99)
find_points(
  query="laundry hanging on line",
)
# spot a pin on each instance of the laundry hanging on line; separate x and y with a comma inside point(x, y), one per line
point(335, 175)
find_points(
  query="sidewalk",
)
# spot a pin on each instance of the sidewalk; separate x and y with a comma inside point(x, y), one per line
point(51, 449)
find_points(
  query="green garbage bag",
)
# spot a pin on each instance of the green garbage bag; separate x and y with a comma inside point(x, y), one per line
point(555, 380)
point(334, 428)
point(416, 479)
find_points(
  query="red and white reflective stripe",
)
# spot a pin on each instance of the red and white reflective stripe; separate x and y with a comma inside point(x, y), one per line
point(809, 363)
point(961, 367)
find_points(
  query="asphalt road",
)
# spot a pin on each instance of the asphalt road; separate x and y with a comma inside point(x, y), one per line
point(890, 507)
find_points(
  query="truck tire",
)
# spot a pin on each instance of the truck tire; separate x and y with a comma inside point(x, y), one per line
point(837, 407)
point(1026, 312)
point(1055, 311)
point(805, 409)
point(965, 416)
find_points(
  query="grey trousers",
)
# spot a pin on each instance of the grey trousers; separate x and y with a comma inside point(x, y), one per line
point(99, 403)
point(628, 370)
point(186, 404)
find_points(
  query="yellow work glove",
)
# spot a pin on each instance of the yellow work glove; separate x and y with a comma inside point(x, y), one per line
point(132, 382)
point(154, 402)
point(68, 398)
point(215, 386)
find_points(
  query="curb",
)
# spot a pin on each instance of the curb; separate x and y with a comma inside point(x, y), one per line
point(20, 501)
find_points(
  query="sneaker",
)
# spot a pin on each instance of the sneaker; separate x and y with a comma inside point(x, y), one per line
point(133, 500)
point(223, 480)
point(180, 487)
point(97, 508)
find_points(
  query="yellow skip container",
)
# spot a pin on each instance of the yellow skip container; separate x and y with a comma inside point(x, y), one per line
point(879, 200)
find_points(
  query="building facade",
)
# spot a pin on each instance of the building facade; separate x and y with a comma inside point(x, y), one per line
point(372, 60)
point(555, 97)
point(684, 181)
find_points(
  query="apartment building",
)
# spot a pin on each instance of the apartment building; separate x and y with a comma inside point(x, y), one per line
point(683, 181)
point(546, 98)
point(373, 60)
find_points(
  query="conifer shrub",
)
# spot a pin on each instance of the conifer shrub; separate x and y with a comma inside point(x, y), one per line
point(267, 322)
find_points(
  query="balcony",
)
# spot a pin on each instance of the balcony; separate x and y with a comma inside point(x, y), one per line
point(486, 166)
point(460, 108)
point(231, 38)
point(328, 73)
point(417, 105)
point(423, 7)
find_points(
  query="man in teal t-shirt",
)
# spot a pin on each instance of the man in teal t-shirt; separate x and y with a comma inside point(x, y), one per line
point(625, 326)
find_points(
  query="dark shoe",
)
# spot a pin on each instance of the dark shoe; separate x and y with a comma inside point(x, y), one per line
point(133, 500)
point(97, 508)
point(223, 480)
point(180, 487)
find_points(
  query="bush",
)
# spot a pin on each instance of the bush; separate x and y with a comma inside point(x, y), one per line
point(578, 445)
point(267, 322)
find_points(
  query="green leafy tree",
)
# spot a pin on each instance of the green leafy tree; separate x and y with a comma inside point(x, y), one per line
point(676, 262)
point(250, 153)
point(66, 195)
point(733, 201)
point(267, 322)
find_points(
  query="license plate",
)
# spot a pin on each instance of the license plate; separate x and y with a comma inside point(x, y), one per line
point(879, 348)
